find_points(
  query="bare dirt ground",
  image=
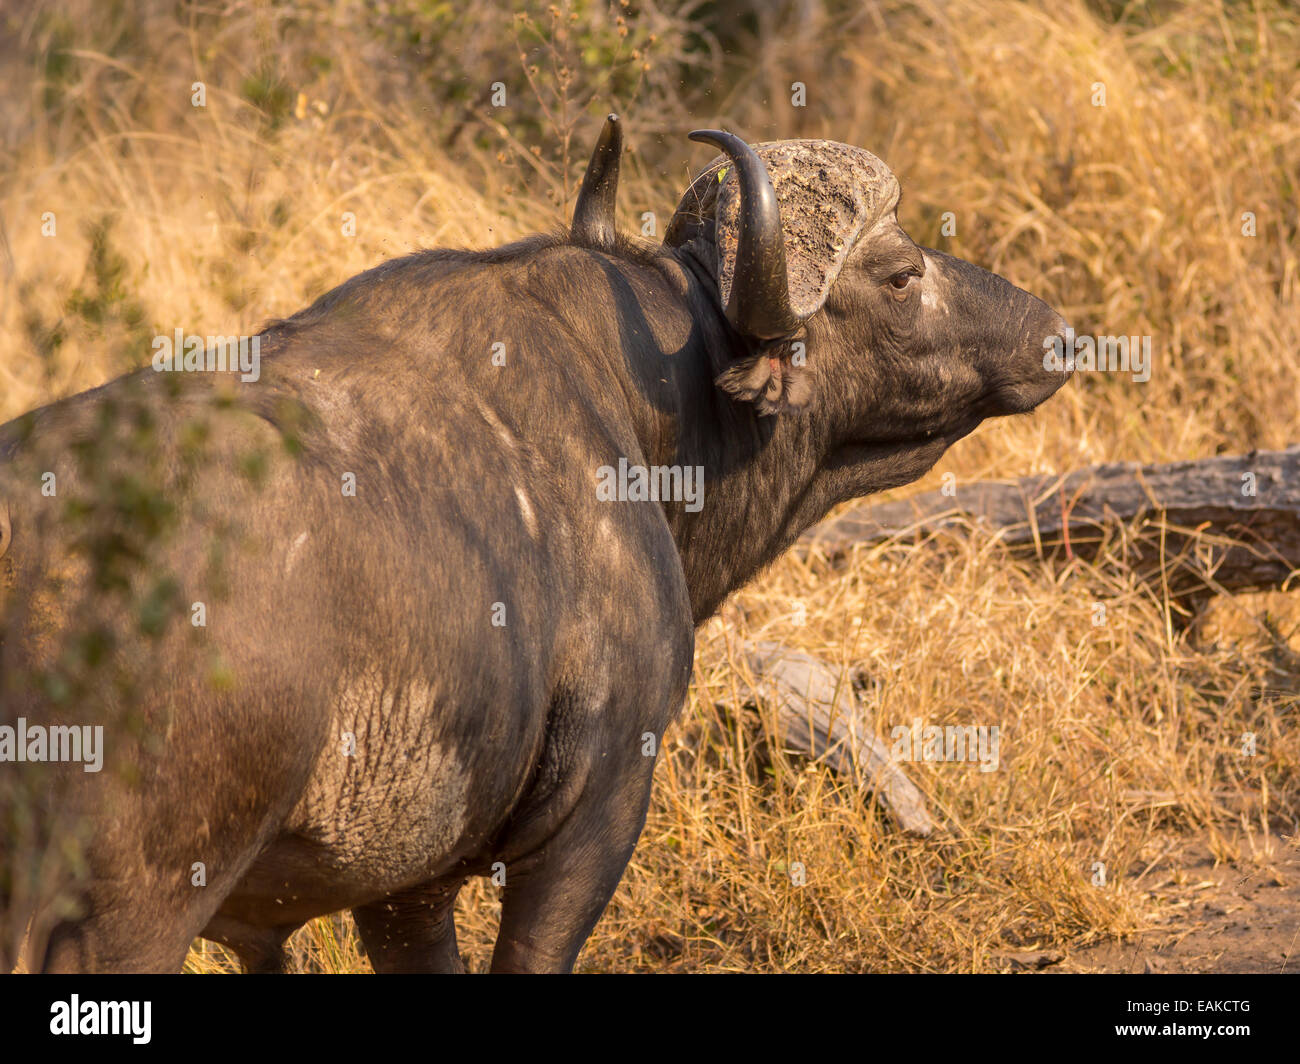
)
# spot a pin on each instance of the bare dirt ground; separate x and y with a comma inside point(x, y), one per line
point(1238, 920)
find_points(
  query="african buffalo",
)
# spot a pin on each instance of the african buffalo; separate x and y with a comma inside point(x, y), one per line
point(435, 574)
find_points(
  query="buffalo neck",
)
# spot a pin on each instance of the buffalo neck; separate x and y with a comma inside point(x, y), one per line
point(762, 477)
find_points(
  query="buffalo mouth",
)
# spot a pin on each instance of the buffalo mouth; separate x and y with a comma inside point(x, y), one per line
point(1022, 397)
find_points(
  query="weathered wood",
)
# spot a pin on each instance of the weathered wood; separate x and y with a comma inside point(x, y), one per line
point(1196, 524)
point(1199, 526)
point(819, 713)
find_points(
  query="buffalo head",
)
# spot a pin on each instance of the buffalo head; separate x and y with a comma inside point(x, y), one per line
point(835, 299)
point(831, 296)
point(852, 358)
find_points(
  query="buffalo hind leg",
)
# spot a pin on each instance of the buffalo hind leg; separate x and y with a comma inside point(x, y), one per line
point(554, 896)
point(412, 931)
point(117, 942)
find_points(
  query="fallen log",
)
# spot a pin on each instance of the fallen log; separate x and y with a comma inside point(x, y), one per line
point(819, 714)
point(1219, 524)
point(1230, 523)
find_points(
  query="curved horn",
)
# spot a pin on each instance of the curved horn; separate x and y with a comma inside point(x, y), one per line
point(593, 215)
point(759, 304)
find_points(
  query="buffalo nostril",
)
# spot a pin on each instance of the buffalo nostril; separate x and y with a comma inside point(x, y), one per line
point(1057, 345)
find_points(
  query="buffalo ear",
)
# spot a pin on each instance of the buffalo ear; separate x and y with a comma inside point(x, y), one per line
point(593, 214)
point(828, 195)
point(770, 380)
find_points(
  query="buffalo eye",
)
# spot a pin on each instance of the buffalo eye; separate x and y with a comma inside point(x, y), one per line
point(902, 280)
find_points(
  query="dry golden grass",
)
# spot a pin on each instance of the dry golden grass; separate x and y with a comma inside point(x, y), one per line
point(1119, 742)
